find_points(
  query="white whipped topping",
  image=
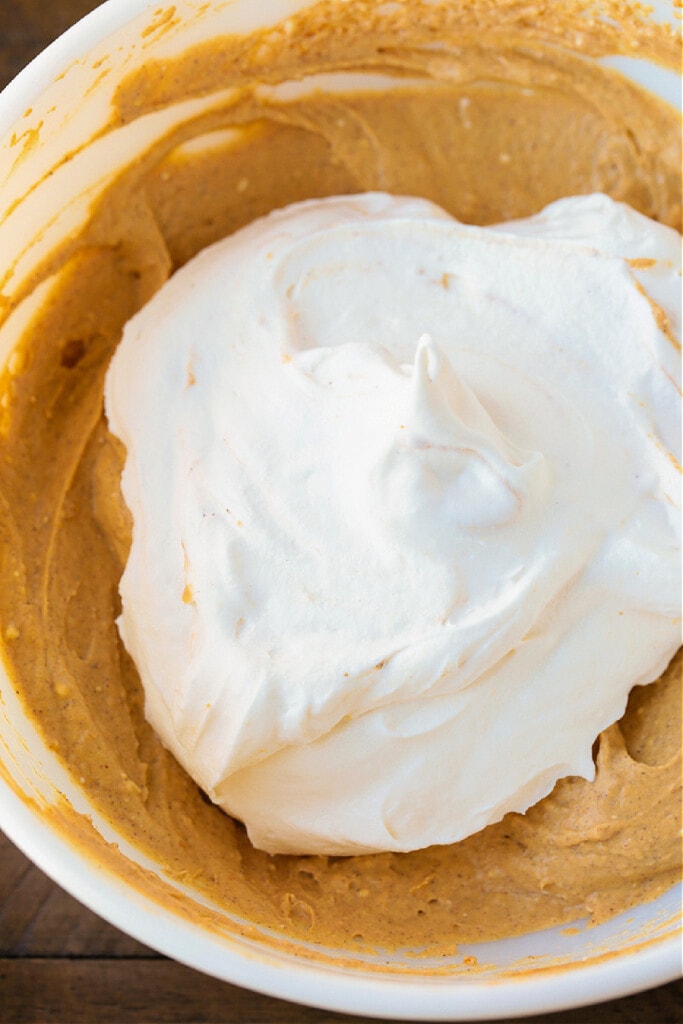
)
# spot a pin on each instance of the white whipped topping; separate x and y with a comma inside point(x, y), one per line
point(406, 510)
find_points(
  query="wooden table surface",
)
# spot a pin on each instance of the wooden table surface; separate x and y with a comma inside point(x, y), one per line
point(58, 961)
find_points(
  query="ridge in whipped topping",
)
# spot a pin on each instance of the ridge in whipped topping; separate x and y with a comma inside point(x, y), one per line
point(406, 508)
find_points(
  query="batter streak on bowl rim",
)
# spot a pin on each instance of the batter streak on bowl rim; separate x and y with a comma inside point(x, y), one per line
point(505, 121)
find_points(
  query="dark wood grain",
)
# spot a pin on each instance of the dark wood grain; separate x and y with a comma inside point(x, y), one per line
point(27, 26)
point(61, 964)
point(118, 992)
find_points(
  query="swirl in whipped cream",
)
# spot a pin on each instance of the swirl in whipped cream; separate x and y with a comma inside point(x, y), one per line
point(406, 500)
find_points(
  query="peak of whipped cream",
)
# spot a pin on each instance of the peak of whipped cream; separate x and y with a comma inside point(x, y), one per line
point(406, 504)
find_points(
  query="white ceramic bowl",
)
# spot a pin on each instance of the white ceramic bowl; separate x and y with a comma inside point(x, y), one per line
point(535, 973)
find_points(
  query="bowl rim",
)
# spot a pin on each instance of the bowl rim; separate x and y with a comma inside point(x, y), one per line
point(283, 976)
point(231, 960)
point(46, 66)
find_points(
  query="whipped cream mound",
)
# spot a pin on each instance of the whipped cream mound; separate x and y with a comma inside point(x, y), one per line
point(406, 507)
